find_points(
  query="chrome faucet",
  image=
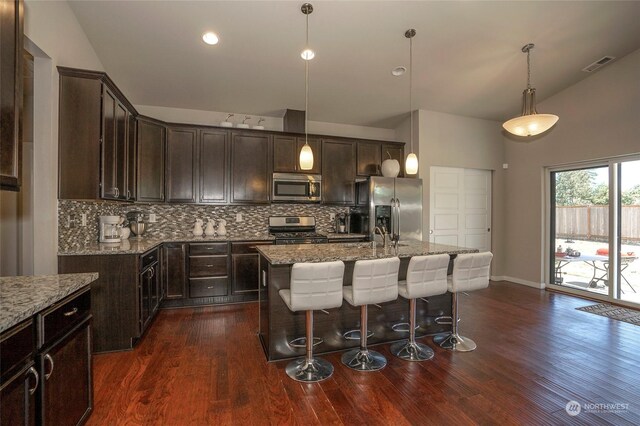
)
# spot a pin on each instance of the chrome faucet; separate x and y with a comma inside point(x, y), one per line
point(383, 232)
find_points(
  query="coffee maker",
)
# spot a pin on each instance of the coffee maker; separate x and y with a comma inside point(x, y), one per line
point(342, 223)
point(109, 232)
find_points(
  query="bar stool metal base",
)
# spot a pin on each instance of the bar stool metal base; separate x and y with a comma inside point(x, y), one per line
point(355, 334)
point(411, 351)
point(364, 360)
point(302, 370)
point(455, 342)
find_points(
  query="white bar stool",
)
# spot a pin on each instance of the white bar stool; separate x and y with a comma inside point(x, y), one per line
point(374, 281)
point(426, 276)
point(470, 272)
point(314, 286)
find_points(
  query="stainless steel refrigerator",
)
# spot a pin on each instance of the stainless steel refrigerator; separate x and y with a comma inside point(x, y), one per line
point(395, 203)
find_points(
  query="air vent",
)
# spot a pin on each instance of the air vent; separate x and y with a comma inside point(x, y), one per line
point(598, 64)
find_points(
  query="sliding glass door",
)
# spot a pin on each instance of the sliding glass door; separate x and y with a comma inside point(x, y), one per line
point(629, 269)
point(595, 229)
point(580, 210)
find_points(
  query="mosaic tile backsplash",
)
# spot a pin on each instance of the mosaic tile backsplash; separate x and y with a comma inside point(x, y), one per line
point(175, 220)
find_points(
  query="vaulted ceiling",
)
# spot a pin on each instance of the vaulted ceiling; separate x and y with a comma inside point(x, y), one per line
point(467, 57)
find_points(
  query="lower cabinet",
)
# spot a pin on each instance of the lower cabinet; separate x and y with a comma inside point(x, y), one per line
point(245, 269)
point(149, 287)
point(174, 270)
point(45, 373)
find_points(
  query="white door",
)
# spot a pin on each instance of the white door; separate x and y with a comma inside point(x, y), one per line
point(460, 207)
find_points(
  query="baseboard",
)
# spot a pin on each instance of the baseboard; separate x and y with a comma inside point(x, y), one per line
point(519, 281)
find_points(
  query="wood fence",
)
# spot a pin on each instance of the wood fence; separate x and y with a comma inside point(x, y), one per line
point(592, 222)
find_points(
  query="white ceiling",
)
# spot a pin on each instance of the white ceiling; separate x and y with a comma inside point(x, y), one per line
point(467, 57)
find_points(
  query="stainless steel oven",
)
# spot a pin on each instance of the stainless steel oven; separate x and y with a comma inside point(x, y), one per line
point(297, 187)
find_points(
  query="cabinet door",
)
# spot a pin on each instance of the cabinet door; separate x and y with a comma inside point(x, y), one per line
point(109, 148)
point(154, 289)
point(131, 158)
point(316, 148)
point(245, 274)
point(284, 154)
point(214, 169)
point(368, 157)
point(396, 151)
point(174, 271)
point(250, 170)
point(338, 172)
point(151, 148)
point(11, 81)
point(18, 398)
point(121, 151)
point(65, 377)
point(181, 165)
point(144, 298)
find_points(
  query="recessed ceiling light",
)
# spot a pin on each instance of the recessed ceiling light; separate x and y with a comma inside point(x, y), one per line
point(210, 38)
point(398, 71)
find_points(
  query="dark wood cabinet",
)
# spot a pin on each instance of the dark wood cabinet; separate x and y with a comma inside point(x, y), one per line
point(174, 270)
point(114, 301)
point(11, 82)
point(182, 164)
point(132, 157)
point(93, 138)
point(149, 287)
point(286, 154)
point(338, 171)
point(208, 269)
point(244, 268)
point(396, 152)
point(66, 380)
point(368, 159)
point(214, 166)
point(250, 168)
point(19, 379)
point(151, 148)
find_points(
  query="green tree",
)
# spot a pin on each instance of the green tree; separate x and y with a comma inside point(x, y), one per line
point(631, 196)
point(600, 195)
point(575, 187)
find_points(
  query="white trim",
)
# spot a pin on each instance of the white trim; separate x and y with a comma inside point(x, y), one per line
point(595, 297)
point(519, 281)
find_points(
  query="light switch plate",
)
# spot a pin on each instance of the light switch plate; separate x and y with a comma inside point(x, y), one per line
point(152, 218)
point(239, 217)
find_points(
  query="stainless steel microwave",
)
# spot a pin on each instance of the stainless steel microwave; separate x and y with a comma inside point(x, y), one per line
point(296, 187)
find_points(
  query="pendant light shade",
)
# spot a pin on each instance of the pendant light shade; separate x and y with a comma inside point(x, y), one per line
point(530, 123)
point(411, 163)
point(306, 154)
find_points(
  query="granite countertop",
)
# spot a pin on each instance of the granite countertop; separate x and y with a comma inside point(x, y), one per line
point(336, 236)
point(23, 297)
point(349, 252)
point(142, 245)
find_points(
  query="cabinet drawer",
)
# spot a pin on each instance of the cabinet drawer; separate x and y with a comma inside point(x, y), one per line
point(207, 287)
point(207, 266)
point(149, 258)
point(249, 247)
point(208, 249)
point(63, 315)
point(17, 345)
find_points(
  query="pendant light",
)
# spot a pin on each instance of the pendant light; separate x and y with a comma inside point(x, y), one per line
point(529, 123)
point(306, 154)
point(411, 163)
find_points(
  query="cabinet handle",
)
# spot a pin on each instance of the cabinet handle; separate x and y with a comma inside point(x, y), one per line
point(152, 272)
point(210, 287)
point(33, 372)
point(71, 312)
point(47, 357)
point(209, 266)
point(117, 192)
point(128, 194)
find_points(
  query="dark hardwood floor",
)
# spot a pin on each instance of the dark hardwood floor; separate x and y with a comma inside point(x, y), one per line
point(535, 353)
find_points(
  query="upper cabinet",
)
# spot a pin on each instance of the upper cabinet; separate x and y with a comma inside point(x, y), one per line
point(368, 159)
point(151, 142)
point(395, 151)
point(338, 171)
point(286, 154)
point(94, 152)
point(11, 81)
point(250, 167)
point(214, 166)
point(182, 166)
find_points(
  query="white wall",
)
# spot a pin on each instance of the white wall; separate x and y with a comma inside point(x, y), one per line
point(599, 118)
point(56, 38)
point(454, 141)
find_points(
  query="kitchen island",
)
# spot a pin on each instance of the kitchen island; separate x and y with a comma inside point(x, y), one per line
point(278, 325)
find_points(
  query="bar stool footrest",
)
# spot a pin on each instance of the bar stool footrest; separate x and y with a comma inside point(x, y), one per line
point(301, 342)
point(355, 334)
